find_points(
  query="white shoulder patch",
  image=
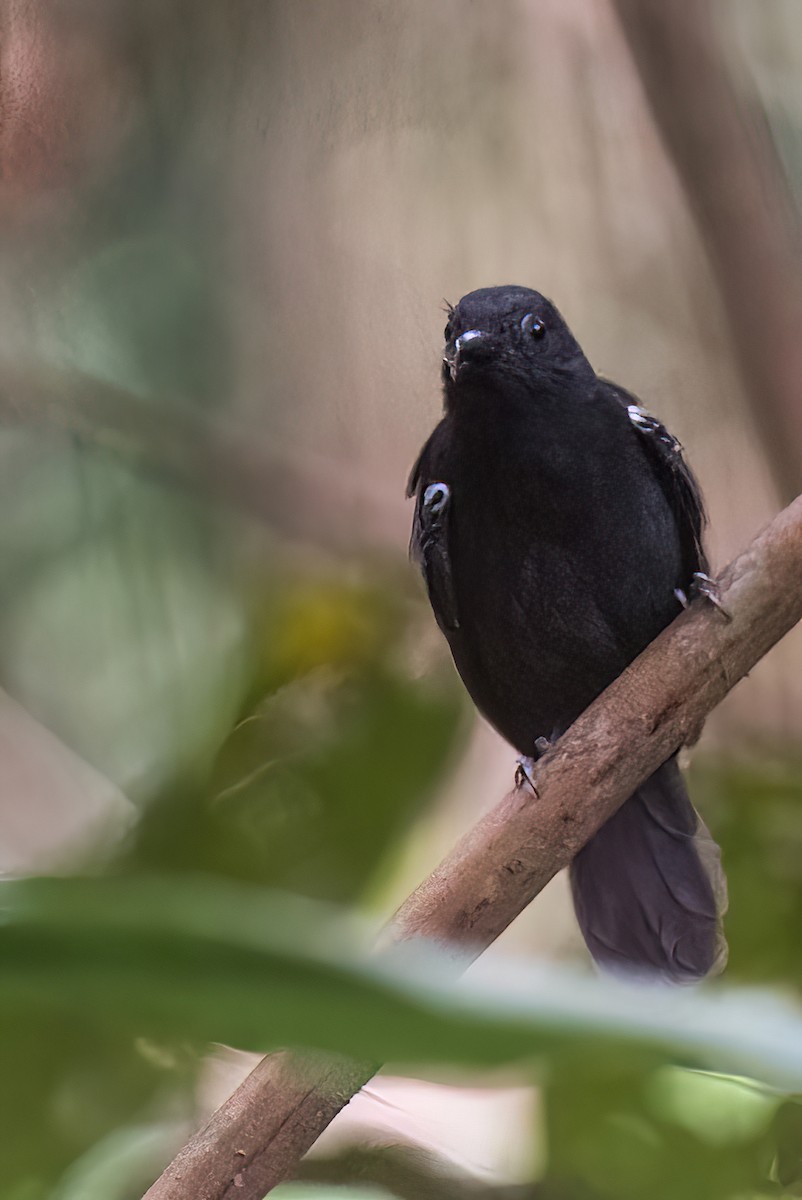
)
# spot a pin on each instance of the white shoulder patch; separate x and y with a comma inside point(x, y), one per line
point(638, 416)
point(646, 423)
point(436, 497)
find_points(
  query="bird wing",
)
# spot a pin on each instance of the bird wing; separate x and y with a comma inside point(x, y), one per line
point(429, 543)
point(675, 477)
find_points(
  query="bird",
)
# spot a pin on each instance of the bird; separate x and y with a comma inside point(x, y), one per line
point(559, 529)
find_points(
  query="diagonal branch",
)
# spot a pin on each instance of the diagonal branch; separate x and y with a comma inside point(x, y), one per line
point(258, 1136)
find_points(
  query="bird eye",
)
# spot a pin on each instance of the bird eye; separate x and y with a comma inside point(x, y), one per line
point(533, 325)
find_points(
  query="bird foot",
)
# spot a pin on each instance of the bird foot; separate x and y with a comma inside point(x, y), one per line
point(703, 585)
point(525, 773)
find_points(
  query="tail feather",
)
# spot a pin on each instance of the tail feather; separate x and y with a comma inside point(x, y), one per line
point(648, 888)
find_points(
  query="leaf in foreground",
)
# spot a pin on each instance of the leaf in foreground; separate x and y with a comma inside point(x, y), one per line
point(212, 961)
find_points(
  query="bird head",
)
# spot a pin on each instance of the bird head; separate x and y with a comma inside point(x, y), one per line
point(508, 337)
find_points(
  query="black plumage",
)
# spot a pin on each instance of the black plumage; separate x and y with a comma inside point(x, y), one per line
point(558, 529)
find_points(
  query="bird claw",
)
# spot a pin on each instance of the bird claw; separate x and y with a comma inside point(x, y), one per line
point(525, 773)
point(703, 585)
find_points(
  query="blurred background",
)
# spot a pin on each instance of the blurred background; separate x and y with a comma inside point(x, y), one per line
point(228, 228)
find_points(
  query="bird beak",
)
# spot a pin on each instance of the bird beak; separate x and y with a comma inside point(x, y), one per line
point(455, 358)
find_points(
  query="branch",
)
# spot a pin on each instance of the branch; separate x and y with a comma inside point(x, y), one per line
point(722, 149)
point(286, 1102)
point(258, 1136)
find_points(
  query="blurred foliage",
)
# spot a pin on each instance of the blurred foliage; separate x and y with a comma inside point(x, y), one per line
point(262, 708)
point(120, 628)
point(754, 807)
point(139, 313)
point(408, 1171)
point(112, 986)
point(268, 723)
point(258, 702)
point(69, 1078)
point(787, 1135)
point(332, 760)
point(620, 1130)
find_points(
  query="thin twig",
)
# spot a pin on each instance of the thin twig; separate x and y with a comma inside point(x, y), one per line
point(259, 1135)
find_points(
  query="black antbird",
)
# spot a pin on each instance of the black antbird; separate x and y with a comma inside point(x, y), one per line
point(559, 530)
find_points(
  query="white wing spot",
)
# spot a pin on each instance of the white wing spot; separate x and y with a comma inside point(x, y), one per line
point(436, 497)
point(467, 337)
point(649, 424)
point(639, 417)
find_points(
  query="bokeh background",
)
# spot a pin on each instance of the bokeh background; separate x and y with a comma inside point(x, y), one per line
point(228, 229)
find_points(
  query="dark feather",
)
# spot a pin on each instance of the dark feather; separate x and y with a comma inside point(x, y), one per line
point(677, 481)
point(429, 544)
point(648, 888)
point(571, 524)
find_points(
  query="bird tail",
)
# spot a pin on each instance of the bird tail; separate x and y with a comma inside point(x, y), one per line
point(648, 888)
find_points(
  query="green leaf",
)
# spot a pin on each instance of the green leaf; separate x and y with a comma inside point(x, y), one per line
point(315, 787)
point(788, 1135)
point(140, 313)
point(118, 1167)
point(211, 961)
point(614, 1133)
point(70, 1077)
point(754, 814)
point(126, 578)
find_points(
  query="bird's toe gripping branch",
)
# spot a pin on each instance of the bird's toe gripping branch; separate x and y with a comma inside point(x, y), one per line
point(525, 773)
point(525, 770)
point(703, 585)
